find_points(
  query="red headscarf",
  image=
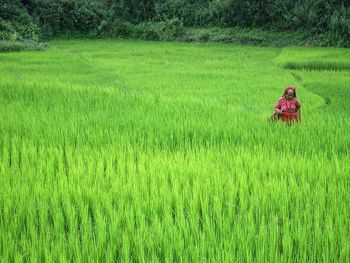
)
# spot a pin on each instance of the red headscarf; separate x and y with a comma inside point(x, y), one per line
point(288, 89)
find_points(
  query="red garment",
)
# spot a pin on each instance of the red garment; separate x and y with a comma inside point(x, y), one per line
point(289, 107)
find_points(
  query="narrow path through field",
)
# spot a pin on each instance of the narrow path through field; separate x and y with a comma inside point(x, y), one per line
point(327, 80)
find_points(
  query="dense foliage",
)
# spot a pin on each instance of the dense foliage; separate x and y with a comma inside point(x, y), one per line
point(120, 18)
point(15, 22)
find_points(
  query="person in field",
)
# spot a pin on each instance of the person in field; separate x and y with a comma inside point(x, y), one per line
point(287, 108)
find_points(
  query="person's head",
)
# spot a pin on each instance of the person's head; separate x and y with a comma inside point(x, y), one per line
point(289, 93)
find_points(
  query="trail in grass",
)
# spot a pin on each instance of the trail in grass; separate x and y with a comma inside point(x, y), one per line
point(322, 73)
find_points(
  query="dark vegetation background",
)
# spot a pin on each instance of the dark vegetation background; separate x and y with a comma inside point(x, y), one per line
point(25, 23)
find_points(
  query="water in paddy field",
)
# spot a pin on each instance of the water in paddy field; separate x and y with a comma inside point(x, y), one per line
point(148, 151)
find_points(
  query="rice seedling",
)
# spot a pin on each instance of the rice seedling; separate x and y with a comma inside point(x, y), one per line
point(314, 58)
point(143, 151)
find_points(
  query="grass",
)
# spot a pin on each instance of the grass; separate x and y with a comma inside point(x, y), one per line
point(314, 58)
point(323, 71)
point(146, 151)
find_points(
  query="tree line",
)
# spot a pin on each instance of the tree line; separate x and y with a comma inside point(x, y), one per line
point(36, 19)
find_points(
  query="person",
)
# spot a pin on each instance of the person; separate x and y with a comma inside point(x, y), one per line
point(287, 108)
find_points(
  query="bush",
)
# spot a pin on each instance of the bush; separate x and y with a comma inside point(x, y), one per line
point(340, 27)
point(13, 31)
point(116, 29)
point(6, 29)
point(204, 37)
point(147, 31)
point(15, 46)
point(56, 17)
point(173, 29)
point(16, 23)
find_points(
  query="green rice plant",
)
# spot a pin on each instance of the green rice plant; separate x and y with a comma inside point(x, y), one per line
point(314, 58)
point(156, 152)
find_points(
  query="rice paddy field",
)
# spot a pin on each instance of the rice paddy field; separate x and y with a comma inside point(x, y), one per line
point(131, 151)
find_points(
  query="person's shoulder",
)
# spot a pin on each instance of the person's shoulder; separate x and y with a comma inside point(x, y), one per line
point(297, 102)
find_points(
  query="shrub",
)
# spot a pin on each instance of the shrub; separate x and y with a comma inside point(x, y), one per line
point(60, 16)
point(340, 26)
point(16, 23)
point(173, 29)
point(147, 31)
point(28, 45)
point(204, 37)
point(116, 29)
